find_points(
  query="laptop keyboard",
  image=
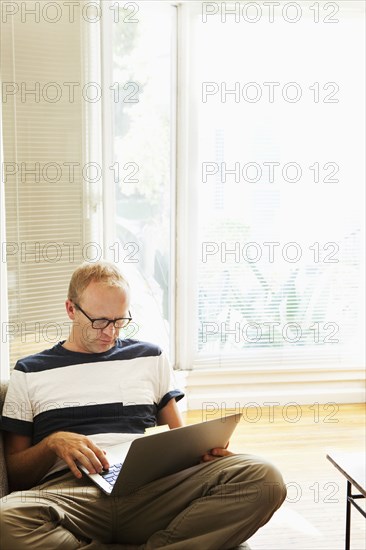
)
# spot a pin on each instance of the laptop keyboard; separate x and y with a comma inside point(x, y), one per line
point(111, 474)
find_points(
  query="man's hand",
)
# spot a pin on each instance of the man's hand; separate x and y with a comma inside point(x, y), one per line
point(72, 448)
point(216, 453)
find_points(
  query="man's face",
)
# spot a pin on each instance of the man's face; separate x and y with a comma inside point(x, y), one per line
point(99, 301)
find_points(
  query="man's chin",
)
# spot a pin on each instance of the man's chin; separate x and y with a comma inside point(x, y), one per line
point(105, 345)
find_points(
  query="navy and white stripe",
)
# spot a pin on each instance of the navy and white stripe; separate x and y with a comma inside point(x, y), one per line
point(116, 392)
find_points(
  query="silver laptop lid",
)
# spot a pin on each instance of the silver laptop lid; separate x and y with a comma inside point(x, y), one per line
point(159, 455)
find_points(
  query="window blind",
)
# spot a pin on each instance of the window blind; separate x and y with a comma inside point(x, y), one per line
point(4, 349)
point(49, 212)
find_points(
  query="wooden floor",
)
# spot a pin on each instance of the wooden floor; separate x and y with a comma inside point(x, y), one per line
point(297, 439)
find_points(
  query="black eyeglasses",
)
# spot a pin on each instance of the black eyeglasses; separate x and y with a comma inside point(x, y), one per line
point(122, 322)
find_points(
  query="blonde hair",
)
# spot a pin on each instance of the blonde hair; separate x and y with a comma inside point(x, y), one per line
point(99, 272)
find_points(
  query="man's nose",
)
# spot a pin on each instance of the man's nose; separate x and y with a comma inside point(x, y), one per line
point(110, 329)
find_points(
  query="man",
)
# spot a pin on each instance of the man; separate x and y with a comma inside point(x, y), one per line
point(64, 405)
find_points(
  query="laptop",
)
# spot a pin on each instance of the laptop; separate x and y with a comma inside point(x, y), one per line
point(150, 457)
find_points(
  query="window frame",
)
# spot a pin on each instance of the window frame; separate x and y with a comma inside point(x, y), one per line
point(187, 333)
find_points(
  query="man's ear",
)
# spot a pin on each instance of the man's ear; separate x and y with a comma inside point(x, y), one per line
point(70, 309)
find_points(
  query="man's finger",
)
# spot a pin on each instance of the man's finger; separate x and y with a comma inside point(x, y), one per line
point(221, 452)
point(87, 457)
point(102, 457)
point(103, 463)
point(208, 458)
point(75, 470)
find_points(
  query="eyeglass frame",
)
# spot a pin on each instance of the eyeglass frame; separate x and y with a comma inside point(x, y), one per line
point(109, 321)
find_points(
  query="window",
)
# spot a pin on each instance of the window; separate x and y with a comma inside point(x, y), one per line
point(142, 138)
point(276, 174)
point(232, 150)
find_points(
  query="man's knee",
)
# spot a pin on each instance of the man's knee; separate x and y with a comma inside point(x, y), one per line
point(273, 486)
point(9, 518)
point(20, 516)
point(26, 523)
point(261, 483)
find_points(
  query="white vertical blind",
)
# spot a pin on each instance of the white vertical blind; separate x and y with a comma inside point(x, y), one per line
point(48, 181)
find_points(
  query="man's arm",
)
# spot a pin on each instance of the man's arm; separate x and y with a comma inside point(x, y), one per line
point(27, 464)
point(170, 415)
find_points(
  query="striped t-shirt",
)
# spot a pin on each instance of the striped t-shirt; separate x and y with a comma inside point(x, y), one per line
point(103, 395)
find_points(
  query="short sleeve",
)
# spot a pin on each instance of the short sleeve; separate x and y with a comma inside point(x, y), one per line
point(17, 415)
point(167, 386)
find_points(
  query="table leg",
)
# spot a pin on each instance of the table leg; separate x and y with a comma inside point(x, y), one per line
point(348, 517)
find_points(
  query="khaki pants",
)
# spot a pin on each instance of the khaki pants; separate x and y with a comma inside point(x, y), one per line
point(211, 506)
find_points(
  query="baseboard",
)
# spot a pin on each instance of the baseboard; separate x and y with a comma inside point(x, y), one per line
point(237, 389)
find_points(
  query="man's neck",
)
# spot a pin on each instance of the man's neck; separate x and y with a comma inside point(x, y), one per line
point(72, 346)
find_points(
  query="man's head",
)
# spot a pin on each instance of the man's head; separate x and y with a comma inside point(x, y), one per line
point(96, 291)
point(98, 272)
